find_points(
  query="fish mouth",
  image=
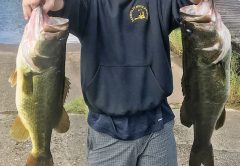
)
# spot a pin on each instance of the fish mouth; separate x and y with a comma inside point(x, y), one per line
point(202, 8)
point(205, 19)
point(204, 12)
point(40, 23)
point(41, 28)
point(55, 24)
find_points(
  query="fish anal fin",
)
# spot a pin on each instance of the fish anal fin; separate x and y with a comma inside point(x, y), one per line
point(18, 130)
point(221, 119)
point(66, 89)
point(13, 78)
point(185, 118)
point(63, 123)
point(39, 161)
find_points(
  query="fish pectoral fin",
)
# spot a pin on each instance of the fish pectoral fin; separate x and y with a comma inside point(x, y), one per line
point(18, 130)
point(221, 119)
point(63, 123)
point(66, 89)
point(28, 83)
point(13, 78)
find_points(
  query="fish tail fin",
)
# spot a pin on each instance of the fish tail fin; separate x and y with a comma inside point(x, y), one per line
point(184, 117)
point(203, 156)
point(39, 161)
point(221, 120)
point(18, 130)
point(64, 123)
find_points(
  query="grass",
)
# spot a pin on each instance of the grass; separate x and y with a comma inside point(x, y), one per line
point(234, 98)
point(176, 42)
point(77, 106)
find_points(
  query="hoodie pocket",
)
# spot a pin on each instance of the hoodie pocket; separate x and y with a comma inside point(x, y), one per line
point(118, 90)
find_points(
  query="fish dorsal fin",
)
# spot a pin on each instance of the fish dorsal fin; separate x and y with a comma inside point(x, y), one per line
point(13, 78)
point(221, 119)
point(63, 123)
point(66, 89)
point(18, 130)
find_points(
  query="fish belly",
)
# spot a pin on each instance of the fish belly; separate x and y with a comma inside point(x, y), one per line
point(39, 103)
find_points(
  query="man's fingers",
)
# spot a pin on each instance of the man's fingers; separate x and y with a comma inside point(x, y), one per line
point(49, 4)
point(29, 5)
point(27, 10)
point(35, 3)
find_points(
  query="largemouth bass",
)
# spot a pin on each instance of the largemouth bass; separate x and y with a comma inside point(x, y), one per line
point(41, 86)
point(206, 76)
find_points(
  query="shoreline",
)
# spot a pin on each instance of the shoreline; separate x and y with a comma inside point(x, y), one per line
point(8, 53)
point(8, 48)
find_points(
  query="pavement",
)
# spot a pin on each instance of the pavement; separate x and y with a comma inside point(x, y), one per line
point(69, 149)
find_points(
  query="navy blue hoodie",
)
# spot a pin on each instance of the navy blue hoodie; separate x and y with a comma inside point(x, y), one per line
point(125, 58)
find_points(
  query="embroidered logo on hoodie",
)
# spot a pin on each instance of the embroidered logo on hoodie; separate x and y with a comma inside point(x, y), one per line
point(138, 12)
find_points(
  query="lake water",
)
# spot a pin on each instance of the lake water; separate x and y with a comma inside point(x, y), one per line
point(12, 22)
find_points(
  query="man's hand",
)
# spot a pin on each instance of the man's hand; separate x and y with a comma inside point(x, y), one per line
point(29, 5)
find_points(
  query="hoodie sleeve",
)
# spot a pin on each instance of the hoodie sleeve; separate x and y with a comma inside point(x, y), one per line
point(170, 12)
point(76, 11)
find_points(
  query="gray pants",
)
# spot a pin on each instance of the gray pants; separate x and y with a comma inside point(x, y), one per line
point(157, 149)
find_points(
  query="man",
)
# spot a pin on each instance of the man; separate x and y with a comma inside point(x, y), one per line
point(125, 76)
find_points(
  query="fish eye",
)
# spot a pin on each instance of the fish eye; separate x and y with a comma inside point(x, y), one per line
point(188, 30)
